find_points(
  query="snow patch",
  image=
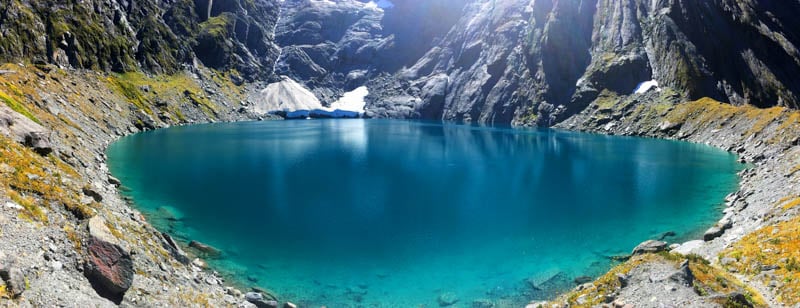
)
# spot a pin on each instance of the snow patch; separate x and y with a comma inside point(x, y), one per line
point(286, 95)
point(645, 86)
point(292, 100)
point(352, 101)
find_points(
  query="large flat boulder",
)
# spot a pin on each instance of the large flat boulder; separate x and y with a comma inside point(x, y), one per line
point(24, 130)
point(109, 264)
point(649, 246)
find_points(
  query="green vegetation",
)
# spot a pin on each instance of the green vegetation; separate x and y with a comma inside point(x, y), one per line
point(32, 181)
point(18, 107)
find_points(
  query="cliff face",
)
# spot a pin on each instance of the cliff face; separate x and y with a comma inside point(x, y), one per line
point(499, 61)
point(541, 61)
point(161, 36)
point(336, 46)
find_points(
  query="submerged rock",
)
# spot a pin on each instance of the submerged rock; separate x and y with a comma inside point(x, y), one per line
point(109, 264)
point(447, 299)
point(482, 303)
point(206, 249)
point(650, 246)
point(582, 279)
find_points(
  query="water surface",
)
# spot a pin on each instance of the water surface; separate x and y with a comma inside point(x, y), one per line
point(386, 213)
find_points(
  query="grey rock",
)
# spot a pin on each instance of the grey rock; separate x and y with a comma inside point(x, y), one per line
point(259, 300)
point(13, 277)
point(114, 181)
point(623, 280)
point(683, 275)
point(582, 279)
point(688, 247)
point(24, 130)
point(93, 194)
point(727, 261)
point(170, 245)
point(649, 246)
point(712, 233)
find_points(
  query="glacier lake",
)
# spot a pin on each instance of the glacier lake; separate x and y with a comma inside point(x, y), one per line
point(390, 213)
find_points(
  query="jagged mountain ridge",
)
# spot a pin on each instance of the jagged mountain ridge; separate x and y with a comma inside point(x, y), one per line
point(541, 61)
point(160, 36)
point(489, 61)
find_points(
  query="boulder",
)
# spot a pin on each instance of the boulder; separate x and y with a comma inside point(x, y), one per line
point(170, 245)
point(114, 181)
point(683, 275)
point(259, 300)
point(142, 120)
point(582, 279)
point(199, 263)
point(649, 246)
point(13, 276)
point(688, 247)
point(89, 192)
point(109, 267)
point(712, 233)
point(24, 130)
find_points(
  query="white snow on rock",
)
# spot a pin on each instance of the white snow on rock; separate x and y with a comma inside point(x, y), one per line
point(293, 100)
point(352, 101)
point(645, 86)
point(286, 95)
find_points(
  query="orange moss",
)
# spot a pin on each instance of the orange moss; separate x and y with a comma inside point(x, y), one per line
point(772, 245)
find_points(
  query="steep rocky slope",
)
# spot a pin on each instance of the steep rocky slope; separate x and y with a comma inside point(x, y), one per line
point(155, 35)
point(538, 62)
point(337, 46)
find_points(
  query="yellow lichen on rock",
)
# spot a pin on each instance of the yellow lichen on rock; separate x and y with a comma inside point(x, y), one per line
point(772, 255)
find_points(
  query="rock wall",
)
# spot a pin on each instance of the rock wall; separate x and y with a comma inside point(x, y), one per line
point(540, 61)
point(160, 36)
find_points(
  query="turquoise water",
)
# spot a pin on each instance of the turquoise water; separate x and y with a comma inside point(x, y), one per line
point(380, 213)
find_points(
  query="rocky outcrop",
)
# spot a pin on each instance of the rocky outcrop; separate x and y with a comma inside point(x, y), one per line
point(336, 46)
point(24, 130)
point(109, 264)
point(541, 61)
point(649, 246)
point(161, 36)
point(13, 276)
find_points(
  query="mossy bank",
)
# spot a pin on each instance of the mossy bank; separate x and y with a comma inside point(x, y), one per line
point(49, 199)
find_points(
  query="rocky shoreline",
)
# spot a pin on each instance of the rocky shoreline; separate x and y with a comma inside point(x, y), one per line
point(83, 245)
point(766, 140)
point(46, 260)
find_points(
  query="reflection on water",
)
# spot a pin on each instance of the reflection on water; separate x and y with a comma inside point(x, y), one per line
point(410, 209)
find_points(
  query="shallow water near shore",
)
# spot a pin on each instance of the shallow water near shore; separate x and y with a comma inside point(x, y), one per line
point(387, 213)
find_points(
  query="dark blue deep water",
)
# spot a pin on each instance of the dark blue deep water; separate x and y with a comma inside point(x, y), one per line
point(395, 213)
